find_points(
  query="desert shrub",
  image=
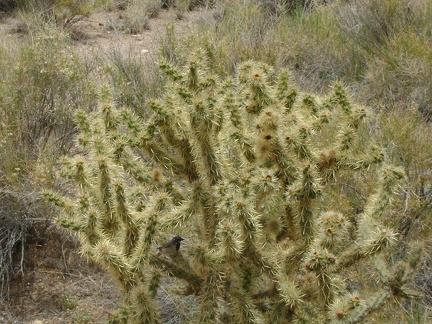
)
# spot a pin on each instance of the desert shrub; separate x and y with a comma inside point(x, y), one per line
point(13, 238)
point(63, 12)
point(373, 23)
point(181, 7)
point(138, 13)
point(236, 33)
point(247, 170)
point(48, 83)
point(372, 45)
point(409, 142)
point(394, 37)
point(23, 220)
point(134, 80)
point(189, 4)
point(400, 77)
point(169, 44)
point(280, 6)
point(136, 21)
point(42, 84)
point(314, 47)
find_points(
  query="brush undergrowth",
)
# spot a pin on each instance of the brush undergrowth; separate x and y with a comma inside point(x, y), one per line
point(42, 84)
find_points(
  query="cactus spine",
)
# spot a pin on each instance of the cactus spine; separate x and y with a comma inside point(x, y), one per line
point(243, 169)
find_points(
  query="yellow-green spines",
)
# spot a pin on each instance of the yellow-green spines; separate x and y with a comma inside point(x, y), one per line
point(130, 121)
point(132, 165)
point(108, 255)
point(340, 97)
point(210, 296)
point(302, 194)
point(244, 309)
point(91, 231)
point(286, 94)
point(332, 230)
point(83, 122)
point(311, 105)
point(290, 293)
point(229, 240)
point(144, 306)
point(192, 77)
point(124, 214)
point(154, 283)
point(248, 171)
point(346, 309)
point(248, 219)
point(255, 78)
point(106, 202)
point(109, 117)
point(178, 215)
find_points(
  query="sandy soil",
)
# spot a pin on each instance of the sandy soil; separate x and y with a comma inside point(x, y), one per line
point(59, 286)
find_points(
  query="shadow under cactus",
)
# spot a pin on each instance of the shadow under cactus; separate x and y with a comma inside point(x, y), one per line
point(243, 168)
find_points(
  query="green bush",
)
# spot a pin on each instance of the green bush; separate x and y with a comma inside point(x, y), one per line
point(246, 169)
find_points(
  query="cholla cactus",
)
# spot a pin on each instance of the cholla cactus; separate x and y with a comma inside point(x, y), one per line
point(240, 168)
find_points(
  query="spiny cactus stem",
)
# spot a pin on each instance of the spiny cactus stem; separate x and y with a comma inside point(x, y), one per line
point(237, 168)
point(171, 268)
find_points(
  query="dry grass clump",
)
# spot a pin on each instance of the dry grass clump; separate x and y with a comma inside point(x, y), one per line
point(41, 92)
point(307, 41)
point(401, 76)
point(62, 12)
point(133, 79)
point(393, 38)
point(138, 13)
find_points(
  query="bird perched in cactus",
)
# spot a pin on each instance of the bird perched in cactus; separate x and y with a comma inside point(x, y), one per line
point(171, 247)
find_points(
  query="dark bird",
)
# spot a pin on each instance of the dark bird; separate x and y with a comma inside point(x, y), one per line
point(171, 247)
